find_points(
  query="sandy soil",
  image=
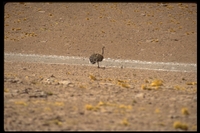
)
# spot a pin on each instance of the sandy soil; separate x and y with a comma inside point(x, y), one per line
point(71, 97)
point(139, 31)
point(66, 97)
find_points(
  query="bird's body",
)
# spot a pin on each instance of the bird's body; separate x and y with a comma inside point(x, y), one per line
point(96, 58)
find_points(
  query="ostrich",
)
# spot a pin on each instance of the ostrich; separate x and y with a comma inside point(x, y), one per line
point(97, 57)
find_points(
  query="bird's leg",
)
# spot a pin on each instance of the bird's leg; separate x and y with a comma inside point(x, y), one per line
point(98, 64)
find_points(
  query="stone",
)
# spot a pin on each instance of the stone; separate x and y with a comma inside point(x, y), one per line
point(64, 82)
point(195, 98)
point(140, 95)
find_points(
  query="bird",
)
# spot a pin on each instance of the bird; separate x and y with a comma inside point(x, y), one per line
point(96, 58)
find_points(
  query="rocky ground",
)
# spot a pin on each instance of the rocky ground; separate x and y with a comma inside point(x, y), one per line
point(63, 97)
point(66, 97)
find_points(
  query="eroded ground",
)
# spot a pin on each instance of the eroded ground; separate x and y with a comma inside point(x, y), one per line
point(67, 97)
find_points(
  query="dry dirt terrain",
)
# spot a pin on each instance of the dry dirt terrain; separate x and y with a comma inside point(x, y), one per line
point(63, 97)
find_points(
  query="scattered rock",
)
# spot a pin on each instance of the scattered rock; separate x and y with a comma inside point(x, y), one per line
point(41, 11)
point(172, 99)
point(70, 85)
point(195, 98)
point(37, 93)
point(173, 116)
point(33, 81)
point(140, 95)
point(43, 41)
point(81, 113)
point(15, 91)
point(65, 82)
point(50, 81)
point(163, 4)
point(52, 76)
point(15, 80)
point(27, 90)
point(107, 84)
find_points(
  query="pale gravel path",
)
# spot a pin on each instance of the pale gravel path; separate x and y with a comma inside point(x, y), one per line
point(136, 64)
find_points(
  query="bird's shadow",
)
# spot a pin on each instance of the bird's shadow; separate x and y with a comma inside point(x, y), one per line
point(102, 67)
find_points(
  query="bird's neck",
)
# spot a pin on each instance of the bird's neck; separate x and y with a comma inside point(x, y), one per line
point(102, 51)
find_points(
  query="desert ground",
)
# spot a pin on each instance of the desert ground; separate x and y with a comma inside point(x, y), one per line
point(40, 96)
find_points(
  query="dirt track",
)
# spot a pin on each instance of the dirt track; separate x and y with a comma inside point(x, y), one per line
point(62, 97)
point(72, 60)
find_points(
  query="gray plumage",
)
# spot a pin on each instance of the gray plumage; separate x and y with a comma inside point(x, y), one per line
point(96, 58)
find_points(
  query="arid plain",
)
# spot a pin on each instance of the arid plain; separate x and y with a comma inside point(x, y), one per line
point(63, 97)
